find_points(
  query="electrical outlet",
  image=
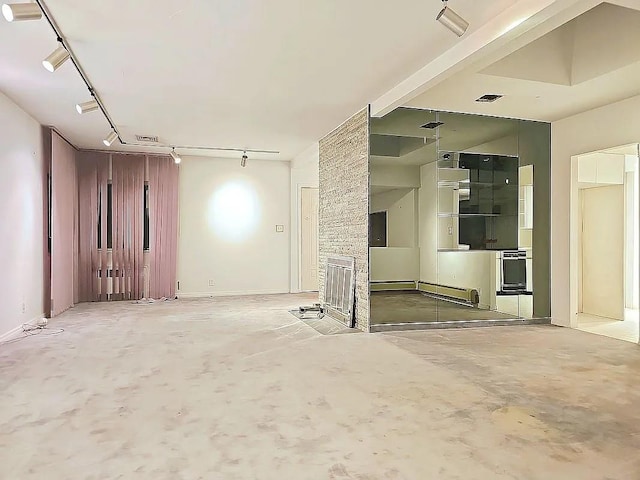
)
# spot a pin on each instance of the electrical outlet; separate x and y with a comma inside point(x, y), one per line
point(450, 230)
point(279, 228)
point(24, 308)
point(211, 283)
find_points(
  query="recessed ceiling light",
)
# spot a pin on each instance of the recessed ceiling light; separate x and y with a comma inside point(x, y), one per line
point(488, 98)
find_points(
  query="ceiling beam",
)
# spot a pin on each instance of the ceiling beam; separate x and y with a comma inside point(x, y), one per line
point(512, 25)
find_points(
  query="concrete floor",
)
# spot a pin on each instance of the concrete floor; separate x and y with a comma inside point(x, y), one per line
point(415, 307)
point(237, 388)
point(628, 330)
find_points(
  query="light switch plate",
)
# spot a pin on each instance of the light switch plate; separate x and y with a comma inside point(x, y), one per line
point(279, 228)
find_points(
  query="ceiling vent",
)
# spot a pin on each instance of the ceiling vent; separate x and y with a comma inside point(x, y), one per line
point(432, 125)
point(147, 138)
point(488, 98)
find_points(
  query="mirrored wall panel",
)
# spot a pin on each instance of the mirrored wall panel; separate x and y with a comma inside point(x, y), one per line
point(459, 218)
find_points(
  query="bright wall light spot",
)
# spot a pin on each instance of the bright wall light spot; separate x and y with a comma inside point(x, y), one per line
point(234, 211)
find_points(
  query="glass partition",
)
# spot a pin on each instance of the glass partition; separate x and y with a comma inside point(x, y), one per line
point(464, 218)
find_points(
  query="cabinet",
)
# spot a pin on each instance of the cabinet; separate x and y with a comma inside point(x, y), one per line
point(478, 206)
point(599, 169)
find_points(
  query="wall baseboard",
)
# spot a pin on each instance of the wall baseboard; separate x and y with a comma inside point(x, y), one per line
point(238, 293)
point(16, 331)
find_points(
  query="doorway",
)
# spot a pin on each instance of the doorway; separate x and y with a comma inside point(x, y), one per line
point(608, 214)
point(309, 239)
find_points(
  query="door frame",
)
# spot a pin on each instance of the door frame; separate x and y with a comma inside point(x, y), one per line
point(299, 188)
point(575, 236)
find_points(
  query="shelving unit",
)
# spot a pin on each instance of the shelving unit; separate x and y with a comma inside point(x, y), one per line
point(474, 187)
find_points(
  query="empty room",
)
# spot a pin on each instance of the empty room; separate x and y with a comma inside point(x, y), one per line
point(319, 240)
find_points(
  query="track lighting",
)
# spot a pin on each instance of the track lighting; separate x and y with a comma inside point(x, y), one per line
point(21, 11)
point(243, 162)
point(56, 59)
point(176, 158)
point(452, 20)
point(110, 138)
point(87, 107)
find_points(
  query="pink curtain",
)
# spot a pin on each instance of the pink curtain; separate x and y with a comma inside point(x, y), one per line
point(111, 267)
point(64, 245)
point(93, 174)
point(128, 225)
point(163, 211)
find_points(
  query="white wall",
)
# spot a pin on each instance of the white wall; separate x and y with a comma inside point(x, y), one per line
point(455, 269)
point(402, 216)
point(21, 227)
point(304, 173)
point(394, 264)
point(609, 126)
point(228, 218)
point(428, 214)
point(395, 176)
point(501, 146)
point(400, 260)
point(632, 221)
point(473, 269)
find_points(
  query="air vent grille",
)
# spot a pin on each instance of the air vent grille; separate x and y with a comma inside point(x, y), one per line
point(339, 288)
point(488, 98)
point(147, 138)
point(432, 125)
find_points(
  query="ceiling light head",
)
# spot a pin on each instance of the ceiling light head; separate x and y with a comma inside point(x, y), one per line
point(452, 20)
point(56, 59)
point(243, 162)
point(21, 11)
point(87, 107)
point(176, 158)
point(110, 138)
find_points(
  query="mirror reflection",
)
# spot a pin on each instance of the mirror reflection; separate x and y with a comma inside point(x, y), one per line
point(452, 217)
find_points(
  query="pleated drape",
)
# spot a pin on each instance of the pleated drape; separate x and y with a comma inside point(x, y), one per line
point(93, 169)
point(110, 255)
point(163, 215)
point(64, 229)
point(128, 216)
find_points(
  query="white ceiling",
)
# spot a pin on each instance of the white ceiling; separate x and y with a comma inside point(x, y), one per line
point(591, 61)
point(269, 75)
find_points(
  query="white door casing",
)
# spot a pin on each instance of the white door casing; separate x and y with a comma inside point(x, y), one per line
point(602, 252)
point(308, 239)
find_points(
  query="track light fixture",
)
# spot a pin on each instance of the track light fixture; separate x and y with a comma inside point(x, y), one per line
point(243, 162)
point(112, 137)
point(452, 20)
point(87, 107)
point(21, 11)
point(56, 59)
point(176, 158)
